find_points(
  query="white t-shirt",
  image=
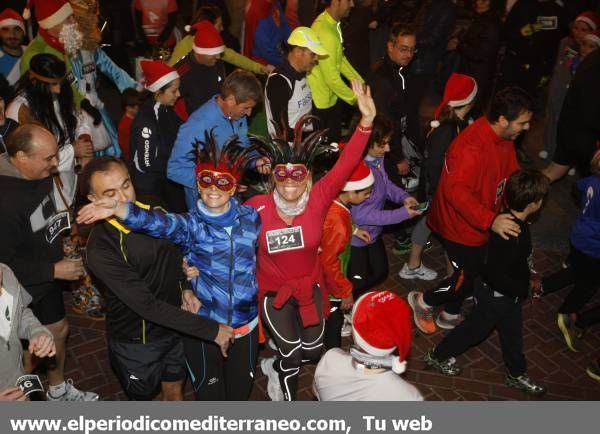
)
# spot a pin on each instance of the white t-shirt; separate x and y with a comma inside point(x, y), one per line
point(337, 379)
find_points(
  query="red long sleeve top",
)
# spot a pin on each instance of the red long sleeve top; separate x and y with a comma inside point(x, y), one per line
point(293, 271)
point(471, 189)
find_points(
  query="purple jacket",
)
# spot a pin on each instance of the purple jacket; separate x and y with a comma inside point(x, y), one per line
point(370, 214)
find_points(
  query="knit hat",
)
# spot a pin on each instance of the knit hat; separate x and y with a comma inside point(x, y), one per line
point(460, 90)
point(360, 179)
point(381, 323)
point(207, 40)
point(157, 74)
point(307, 38)
point(49, 13)
point(594, 37)
point(11, 18)
point(592, 19)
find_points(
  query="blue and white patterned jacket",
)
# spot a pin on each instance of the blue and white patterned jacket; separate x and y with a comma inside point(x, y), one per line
point(227, 285)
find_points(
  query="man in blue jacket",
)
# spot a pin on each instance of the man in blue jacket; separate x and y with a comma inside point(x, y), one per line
point(225, 115)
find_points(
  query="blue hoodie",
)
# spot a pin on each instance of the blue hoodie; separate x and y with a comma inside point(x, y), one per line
point(181, 167)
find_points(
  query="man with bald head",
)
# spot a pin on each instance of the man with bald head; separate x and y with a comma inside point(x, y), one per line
point(32, 230)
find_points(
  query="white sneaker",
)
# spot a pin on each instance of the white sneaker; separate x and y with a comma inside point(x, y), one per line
point(448, 321)
point(73, 394)
point(543, 154)
point(273, 386)
point(421, 272)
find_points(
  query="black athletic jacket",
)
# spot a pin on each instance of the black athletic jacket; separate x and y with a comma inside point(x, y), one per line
point(507, 270)
point(141, 280)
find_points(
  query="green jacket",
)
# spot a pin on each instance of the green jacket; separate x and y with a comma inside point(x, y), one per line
point(184, 46)
point(325, 79)
point(38, 46)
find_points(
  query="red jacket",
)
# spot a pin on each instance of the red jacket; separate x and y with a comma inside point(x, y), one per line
point(337, 232)
point(471, 189)
point(293, 272)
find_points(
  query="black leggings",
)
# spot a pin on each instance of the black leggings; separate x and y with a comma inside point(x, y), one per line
point(583, 272)
point(367, 267)
point(216, 378)
point(467, 265)
point(296, 344)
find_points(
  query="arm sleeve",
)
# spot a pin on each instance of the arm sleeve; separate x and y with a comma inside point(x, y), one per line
point(181, 165)
point(330, 185)
point(173, 227)
point(30, 272)
point(381, 217)
point(279, 93)
point(236, 59)
point(107, 264)
point(461, 163)
point(329, 69)
point(117, 75)
point(437, 145)
point(182, 49)
point(393, 192)
point(145, 157)
point(333, 243)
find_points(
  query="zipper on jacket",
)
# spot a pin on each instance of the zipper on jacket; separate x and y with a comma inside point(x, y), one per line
point(143, 331)
point(230, 311)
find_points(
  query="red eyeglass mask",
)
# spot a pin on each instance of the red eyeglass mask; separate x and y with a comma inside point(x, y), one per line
point(223, 181)
point(295, 172)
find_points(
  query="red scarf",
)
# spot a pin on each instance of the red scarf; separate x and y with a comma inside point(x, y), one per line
point(51, 40)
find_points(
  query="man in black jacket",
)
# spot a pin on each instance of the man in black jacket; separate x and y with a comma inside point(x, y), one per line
point(142, 280)
point(32, 231)
point(498, 301)
point(389, 87)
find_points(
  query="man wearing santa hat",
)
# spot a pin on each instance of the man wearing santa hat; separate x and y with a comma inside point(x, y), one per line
point(202, 72)
point(12, 34)
point(59, 34)
point(382, 334)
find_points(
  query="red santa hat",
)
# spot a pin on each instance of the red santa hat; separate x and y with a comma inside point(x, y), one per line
point(381, 323)
point(592, 19)
point(49, 13)
point(157, 74)
point(593, 37)
point(207, 40)
point(11, 18)
point(360, 179)
point(460, 90)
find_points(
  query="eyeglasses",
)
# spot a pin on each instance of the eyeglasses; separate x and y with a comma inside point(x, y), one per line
point(295, 172)
point(403, 49)
point(223, 181)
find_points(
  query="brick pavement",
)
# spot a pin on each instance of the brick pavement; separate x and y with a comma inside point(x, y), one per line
point(549, 360)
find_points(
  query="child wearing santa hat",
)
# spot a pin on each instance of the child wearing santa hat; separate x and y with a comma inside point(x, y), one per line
point(450, 118)
point(152, 135)
point(335, 250)
point(382, 333)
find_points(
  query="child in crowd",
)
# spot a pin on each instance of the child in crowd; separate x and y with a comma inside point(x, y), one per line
point(130, 104)
point(584, 262)
point(506, 284)
point(381, 326)
point(368, 260)
point(335, 250)
point(218, 238)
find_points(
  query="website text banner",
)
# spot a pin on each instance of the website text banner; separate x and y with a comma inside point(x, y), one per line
point(299, 417)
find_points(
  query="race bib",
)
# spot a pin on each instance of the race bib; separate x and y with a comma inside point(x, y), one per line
point(29, 384)
point(547, 23)
point(56, 225)
point(281, 240)
point(88, 68)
